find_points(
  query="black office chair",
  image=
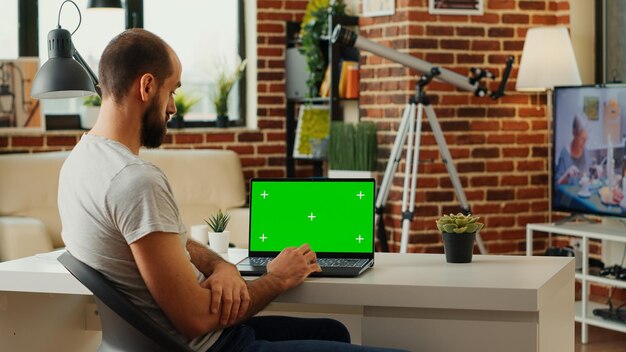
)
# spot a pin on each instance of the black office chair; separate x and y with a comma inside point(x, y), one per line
point(124, 326)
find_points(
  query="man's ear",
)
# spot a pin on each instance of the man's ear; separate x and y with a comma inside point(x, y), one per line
point(147, 86)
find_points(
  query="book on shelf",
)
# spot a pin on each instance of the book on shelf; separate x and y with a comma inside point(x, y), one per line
point(352, 82)
point(346, 67)
point(325, 86)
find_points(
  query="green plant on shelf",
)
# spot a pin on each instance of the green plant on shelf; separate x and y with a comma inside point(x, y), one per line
point(92, 100)
point(314, 30)
point(353, 146)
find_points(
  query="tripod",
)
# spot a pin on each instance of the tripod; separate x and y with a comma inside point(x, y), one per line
point(412, 129)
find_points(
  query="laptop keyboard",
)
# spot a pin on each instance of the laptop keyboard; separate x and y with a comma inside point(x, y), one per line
point(323, 262)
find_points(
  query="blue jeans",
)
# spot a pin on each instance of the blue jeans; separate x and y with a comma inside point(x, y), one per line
point(278, 334)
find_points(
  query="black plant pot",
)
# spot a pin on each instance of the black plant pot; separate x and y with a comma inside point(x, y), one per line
point(459, 247)
point(176, 122)
point(222, 121)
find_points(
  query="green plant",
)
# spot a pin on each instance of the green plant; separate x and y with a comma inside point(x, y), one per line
point(353, 146)
point(184, 103)
point(226, 79)
point(219, 221)
point(92, 100)
point(459, 223)
point(314, 30)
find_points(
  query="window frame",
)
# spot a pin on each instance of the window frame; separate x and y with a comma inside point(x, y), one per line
point(28, 44)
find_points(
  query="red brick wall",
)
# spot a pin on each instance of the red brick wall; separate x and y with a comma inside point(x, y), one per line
point(499, 147)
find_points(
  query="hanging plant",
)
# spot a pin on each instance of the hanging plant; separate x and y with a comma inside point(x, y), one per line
point(314, 30)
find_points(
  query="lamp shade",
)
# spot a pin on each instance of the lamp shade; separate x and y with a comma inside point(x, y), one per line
point(547, 60)
point(61, 76)
point(104, 4)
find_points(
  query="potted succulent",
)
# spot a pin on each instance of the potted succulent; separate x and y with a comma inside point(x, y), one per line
point(226, 79)
point(219, 237)
point(90, 111)
point(459, 234)
point(184, 103)
point(353, 149)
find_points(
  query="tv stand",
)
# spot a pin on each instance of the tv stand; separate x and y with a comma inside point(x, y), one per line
point(598, 231)
point(574, 217)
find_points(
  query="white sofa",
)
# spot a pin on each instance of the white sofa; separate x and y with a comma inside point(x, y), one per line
point(203, 181)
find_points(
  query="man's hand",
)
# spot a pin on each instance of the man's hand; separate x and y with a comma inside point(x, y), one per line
point(618, 195)
point(293, 265)
point(228, 291)
point(572, 171)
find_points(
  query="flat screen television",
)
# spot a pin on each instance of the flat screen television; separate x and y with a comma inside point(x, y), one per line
point(588, 160)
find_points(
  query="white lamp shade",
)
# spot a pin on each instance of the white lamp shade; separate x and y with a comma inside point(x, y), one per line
point(547, 60)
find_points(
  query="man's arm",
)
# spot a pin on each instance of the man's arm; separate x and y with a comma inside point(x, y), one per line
point(203, 258)
point(229, 293)
point(288, 270)
point(168, 274)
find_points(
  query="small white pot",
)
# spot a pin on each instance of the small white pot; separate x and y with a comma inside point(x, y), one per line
point(88, 116)
point(218, 241)
point(349, 174)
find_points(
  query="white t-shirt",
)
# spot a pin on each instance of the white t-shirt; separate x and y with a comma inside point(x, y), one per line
point(109, 198)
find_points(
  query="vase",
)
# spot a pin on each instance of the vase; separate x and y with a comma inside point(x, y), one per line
point(458, 247)
point(176, 122)
point(218, 241)
point(88, 116)
point(222, 121)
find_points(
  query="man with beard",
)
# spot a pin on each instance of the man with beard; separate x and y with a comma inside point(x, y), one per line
point(119, 216)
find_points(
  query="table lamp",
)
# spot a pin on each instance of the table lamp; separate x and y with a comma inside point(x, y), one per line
point(547, 61)
point(65, 74)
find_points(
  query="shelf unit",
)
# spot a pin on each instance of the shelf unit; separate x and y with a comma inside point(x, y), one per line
point(334, 54)
point(584, 308)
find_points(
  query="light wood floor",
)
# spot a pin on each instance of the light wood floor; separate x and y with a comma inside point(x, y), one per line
point(601, 340)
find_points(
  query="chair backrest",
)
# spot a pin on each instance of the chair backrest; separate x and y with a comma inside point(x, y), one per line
point(124, 326)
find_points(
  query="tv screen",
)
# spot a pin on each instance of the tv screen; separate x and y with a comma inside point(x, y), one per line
point(588, 163)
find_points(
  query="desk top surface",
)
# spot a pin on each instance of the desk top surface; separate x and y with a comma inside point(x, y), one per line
point(402, 280)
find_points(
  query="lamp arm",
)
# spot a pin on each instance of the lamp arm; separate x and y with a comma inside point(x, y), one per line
point(92, 75)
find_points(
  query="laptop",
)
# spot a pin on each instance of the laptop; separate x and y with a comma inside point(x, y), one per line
point(334, 216)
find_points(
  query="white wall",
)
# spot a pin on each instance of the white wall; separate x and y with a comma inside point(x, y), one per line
point(582, 31)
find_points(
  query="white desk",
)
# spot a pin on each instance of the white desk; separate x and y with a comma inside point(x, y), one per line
point(411, 301)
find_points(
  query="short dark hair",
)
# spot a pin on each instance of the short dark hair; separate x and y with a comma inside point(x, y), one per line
point(129, 55)
point(579, 124)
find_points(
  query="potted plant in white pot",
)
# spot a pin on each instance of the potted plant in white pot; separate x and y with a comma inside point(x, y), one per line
point(353, 150)
point(459, 234)
point(90, 111)
point(219, 237)
point(226, 79)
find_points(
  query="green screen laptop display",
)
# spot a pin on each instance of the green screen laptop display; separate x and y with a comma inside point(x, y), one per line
point(332, 215)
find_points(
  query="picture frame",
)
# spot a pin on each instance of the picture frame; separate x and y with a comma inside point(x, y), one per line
point(456, 7)
point(376, 8)
point(18, 110)
point(312, 132)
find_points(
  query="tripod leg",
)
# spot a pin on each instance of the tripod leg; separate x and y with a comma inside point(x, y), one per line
point(452, 173)
point(407, 214)
point(392, 165)
point(410, 147)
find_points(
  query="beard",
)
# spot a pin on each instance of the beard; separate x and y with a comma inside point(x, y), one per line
point(153, 128)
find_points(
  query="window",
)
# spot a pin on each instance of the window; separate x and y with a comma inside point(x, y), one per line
point(8, 28)
point(201, 32)
point(206, 36)
point(96, 29)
